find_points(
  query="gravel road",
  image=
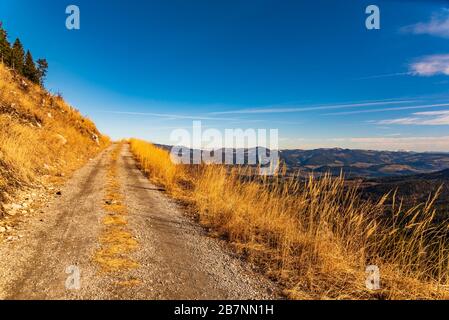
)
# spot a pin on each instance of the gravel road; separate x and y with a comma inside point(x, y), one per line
point(174, 256)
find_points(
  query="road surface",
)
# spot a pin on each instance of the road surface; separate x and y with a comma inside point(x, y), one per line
point(60, 252)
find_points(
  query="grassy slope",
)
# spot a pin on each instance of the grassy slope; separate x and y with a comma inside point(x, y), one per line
point(41, 136)
point(316, 238)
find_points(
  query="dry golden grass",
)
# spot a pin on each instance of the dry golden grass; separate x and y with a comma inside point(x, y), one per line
point(129, 283)
point(40, 134)
point(315, 237)
point(116, 241)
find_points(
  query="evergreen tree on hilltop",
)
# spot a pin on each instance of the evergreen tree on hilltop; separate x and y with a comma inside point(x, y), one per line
point(42, 68)
point(17, 56)
point(5, 47)
point(29, 69)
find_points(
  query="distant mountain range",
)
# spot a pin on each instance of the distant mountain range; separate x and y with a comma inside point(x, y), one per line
point(364, 163)
point(354, 163)
point(412, 189)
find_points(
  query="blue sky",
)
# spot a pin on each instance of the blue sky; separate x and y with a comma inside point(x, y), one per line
point(308, 68)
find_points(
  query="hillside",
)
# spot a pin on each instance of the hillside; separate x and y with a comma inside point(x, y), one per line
point(41, 136)
point(413, 189)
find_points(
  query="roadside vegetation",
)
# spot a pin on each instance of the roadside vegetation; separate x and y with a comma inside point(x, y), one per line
point(315, 237)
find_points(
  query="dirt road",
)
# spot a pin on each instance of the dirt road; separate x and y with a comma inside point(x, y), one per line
point(172, 257)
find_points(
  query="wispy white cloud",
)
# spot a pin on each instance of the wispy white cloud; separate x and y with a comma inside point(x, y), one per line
point(433, 113)
point(430, 118)
point(437, 26)
point(404, 143)
point(386, 75)
point(390, 109)
point(427, 66)
point(229, 121)
point(315, 108)
point(170, 116)
point(395, 143)
point(432, 65)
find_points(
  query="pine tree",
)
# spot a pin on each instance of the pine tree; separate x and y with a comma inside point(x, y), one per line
point(5, 47)
point(17, 56)
point(42, 68)
point(29, 68)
